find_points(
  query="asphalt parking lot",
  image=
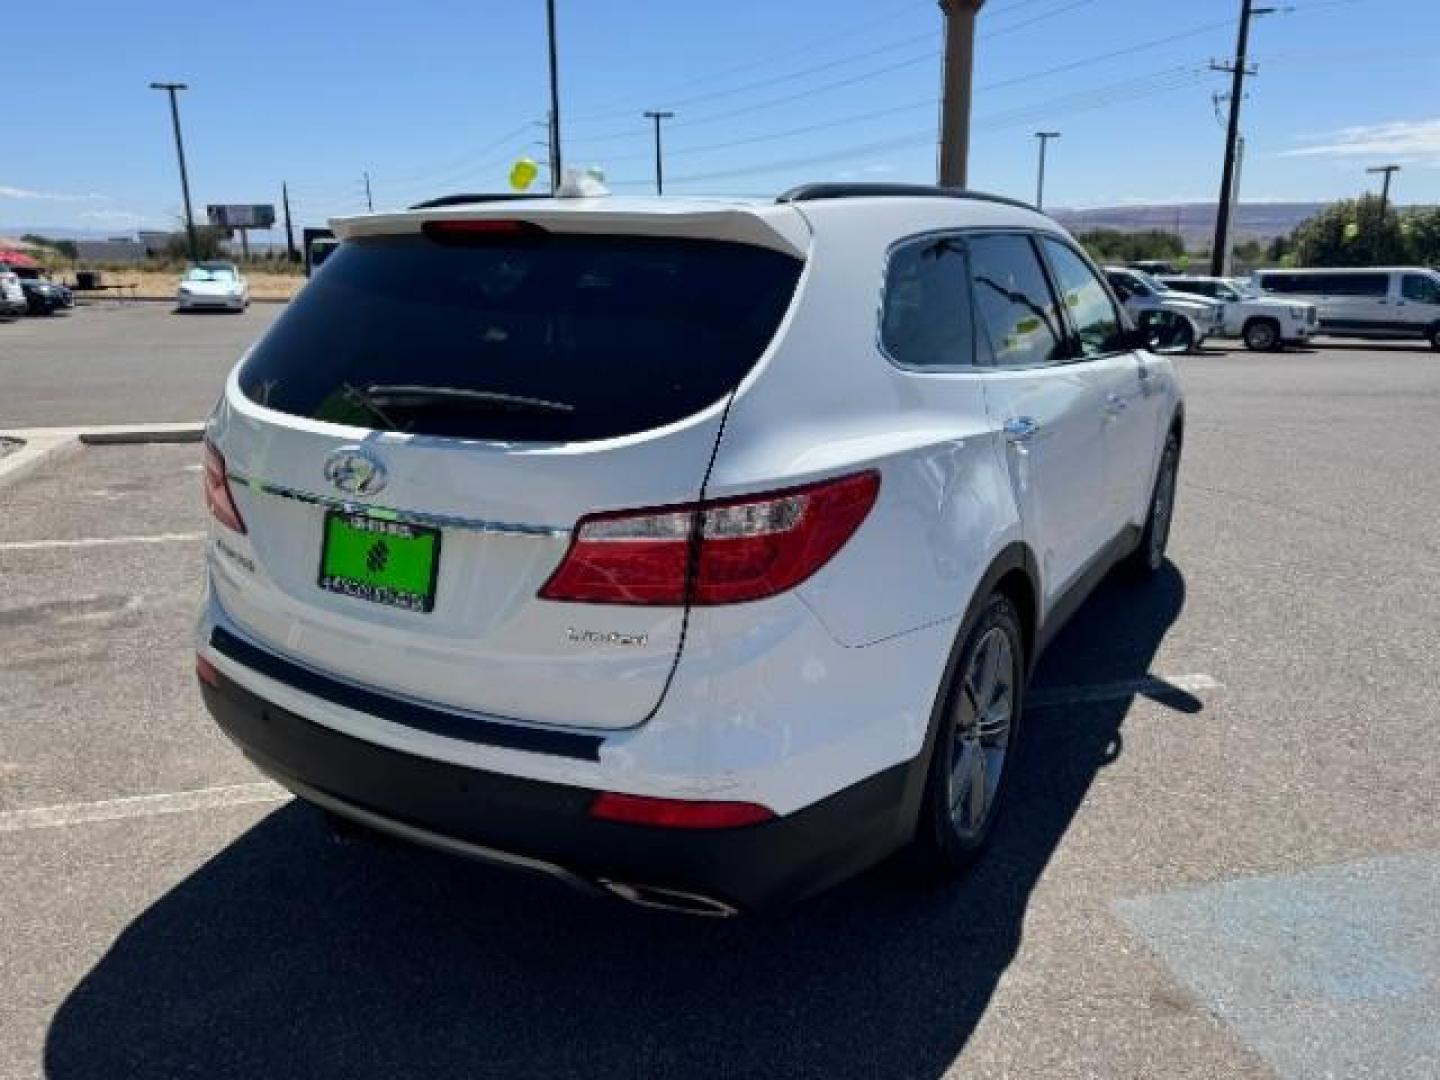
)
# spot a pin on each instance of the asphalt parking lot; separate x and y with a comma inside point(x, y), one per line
point(119, 362)
point(1222, 858)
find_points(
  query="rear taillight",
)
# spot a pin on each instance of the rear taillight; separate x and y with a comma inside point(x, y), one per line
point(217, 491)
point(720, 552)
point(206, 673)
point(677, 813)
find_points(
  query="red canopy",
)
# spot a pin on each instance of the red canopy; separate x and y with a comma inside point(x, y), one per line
point(17, 258)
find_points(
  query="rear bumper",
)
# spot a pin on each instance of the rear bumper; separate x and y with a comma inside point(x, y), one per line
point(546, 827)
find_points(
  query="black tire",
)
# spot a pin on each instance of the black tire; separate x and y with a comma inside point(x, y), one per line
point(943, 846)
point(1186, 340)
point(1434, 337)
point(1149, 556)
point(1262, 335)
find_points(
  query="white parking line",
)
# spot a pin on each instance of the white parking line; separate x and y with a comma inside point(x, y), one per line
point(99, 541)
point(1149, 686)
point(138, 806)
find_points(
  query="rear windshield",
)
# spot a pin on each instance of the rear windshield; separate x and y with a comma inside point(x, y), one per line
point(556, 339)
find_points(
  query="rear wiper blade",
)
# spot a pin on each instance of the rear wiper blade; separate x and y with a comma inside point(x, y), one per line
point(397, 396)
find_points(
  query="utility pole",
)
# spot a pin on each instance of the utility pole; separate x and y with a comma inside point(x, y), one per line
point(171, 87)
point(369, 202)
point(960, 18)
point(1044, 137)
point(1221, 248)
point(1389, 171)
point(555, 164)
point(659, 165)
point(290, 252)
point(1228, 266)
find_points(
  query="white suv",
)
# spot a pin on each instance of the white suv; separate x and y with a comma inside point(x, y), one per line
point(1262, 322)
point(693, 551)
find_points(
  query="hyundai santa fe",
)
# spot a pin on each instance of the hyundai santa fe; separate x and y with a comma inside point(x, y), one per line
point(691, 551)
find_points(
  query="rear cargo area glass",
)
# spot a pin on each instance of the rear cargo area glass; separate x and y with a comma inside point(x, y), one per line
point(549, 339)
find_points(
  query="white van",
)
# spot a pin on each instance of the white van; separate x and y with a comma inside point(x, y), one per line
point(1381, 302)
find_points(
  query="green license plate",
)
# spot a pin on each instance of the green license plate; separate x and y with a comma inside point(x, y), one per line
point(385, 562)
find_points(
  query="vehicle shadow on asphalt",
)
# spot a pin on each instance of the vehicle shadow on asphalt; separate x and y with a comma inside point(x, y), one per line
point(290, 955)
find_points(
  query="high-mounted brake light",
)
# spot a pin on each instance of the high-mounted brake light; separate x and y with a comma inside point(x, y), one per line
point(721, 552)
point(472, 231)
point(218, 496)
point(677, 813)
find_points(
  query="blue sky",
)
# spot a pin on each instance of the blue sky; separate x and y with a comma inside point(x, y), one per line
point(435, 97)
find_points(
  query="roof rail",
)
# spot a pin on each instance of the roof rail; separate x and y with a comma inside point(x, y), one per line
point(461, 200)
point(813, 192)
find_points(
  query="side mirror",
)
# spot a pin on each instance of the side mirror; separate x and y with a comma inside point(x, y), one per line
point(1137, 338)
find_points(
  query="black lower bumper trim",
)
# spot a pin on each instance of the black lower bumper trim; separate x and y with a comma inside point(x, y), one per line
point(422, 717)
point(521, 821)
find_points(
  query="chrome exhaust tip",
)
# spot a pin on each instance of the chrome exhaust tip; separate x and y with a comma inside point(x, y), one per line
point(672, 900)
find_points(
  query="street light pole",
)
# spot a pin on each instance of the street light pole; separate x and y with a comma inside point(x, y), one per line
point(658, 116)
point(955, 103)
point(1044, 137)
point(1389, 171)
point(171, 87)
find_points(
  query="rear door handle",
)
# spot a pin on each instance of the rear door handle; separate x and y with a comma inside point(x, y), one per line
point(1021, 429)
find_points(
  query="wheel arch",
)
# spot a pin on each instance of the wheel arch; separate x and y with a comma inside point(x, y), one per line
point(1014, 573)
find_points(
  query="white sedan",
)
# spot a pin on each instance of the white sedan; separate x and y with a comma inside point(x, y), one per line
point(216, 286)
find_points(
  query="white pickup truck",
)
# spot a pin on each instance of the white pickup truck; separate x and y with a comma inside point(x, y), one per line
point(1262, 322)
point(1181, 321)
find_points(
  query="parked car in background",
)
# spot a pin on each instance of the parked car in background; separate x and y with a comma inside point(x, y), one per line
point(1155, 266)
point(835, 469)
point(12, 297)
point(1262, 322)
point(1179, 321)
point(43, 296)
point(1378, 303)
point(214, 286)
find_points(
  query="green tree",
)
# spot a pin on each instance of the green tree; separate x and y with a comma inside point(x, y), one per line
point(64, 247)
point(207, 242)
point(1112, 245)
point(1421, 229)
point(1350, 233)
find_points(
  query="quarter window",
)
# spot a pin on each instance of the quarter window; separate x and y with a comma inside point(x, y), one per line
point(1092, 312)
point(1013, 301)
point(927, 321)
point(1423, 290)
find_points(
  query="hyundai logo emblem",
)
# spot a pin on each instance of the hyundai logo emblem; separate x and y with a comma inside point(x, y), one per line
point(355, 471)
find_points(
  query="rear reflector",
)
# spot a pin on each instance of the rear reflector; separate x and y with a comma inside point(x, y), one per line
point(720, 552)
point(218, 496)
point(206, 673)
point(677, 813)
point(472, 232)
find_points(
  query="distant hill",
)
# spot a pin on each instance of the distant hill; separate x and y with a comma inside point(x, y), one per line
point(1195, 221)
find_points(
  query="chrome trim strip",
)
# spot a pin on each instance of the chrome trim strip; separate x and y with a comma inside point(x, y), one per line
point(410, 517)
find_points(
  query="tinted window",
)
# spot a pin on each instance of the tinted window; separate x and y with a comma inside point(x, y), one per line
point(1331, 284)
point(1187, 285)
point(1424, 290)
point(540, 339)
point(926, 322)
point(1279, 283)
point(1013, 301)
point(1092, 312)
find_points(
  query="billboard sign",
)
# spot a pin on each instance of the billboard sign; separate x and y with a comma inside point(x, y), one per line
point(241, 216)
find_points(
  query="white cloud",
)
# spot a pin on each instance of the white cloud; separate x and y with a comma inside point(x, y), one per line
point(9, 192)
point(1403, 140)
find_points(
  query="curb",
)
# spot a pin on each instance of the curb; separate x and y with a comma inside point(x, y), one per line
point(45, 444)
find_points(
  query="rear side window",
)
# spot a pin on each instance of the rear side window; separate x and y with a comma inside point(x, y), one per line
point(543, 338)
point(1013, 301)
point(1092, 312)
point(926, 320)
point(1424, 290)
